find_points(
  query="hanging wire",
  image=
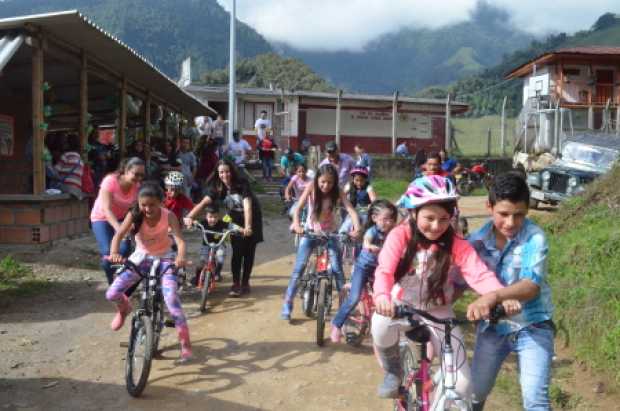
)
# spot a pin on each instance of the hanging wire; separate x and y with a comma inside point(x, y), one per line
point(483, 90)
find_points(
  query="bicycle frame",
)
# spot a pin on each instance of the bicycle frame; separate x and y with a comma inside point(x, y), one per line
point(442, 386)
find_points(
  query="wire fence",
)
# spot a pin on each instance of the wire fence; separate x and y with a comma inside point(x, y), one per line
point(482, 136)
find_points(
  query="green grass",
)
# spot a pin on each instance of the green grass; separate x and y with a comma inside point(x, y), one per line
point(584, 262)
point(18, 280)
point(388, 188)
point(471, 135)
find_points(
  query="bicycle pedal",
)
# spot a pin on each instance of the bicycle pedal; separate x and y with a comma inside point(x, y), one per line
point(169, 323)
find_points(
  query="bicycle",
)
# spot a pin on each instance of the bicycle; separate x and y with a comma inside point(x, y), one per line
point(317, 284)
point(420, 390)
point(357, 325)
point(147, 323)
point(206, 278)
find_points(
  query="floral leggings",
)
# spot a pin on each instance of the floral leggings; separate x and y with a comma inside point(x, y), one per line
point(128, 278)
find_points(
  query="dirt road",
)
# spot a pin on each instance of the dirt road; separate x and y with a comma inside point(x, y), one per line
point(58, 353)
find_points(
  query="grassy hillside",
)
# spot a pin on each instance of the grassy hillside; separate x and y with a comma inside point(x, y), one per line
point(584, 265)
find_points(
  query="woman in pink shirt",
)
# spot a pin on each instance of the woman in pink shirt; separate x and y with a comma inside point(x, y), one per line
point(117, 193)
point(423, 264)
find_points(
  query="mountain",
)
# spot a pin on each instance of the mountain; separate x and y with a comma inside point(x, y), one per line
point(164, 31)
point(485, 91)
point(414, 58)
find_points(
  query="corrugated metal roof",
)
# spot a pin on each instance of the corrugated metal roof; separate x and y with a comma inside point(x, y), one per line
point(78, 30)
point(9, 44)
point(598, 51)
point(318, 94)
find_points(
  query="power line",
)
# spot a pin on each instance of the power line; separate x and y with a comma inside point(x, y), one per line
point(483, 90)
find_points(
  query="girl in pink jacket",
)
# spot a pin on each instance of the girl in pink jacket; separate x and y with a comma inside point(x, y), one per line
point(423, 264)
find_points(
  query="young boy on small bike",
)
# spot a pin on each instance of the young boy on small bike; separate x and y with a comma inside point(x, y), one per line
point(516, 249)
point(149, 222)
point(213, 222)
point(382, 217)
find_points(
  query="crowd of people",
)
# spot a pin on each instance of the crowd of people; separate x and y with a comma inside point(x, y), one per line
point(417, 257)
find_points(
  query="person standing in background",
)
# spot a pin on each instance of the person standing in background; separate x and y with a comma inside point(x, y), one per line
point(262, 126)
point(219, 133)
point(363, 159)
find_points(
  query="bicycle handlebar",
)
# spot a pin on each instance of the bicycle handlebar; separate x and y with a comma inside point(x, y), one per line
point(323, 235)
point(225, 234)
point(404, 311)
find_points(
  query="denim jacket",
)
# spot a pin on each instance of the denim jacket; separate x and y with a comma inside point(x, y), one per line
point(523, 257)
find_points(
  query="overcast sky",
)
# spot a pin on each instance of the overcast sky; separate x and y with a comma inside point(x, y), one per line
point(350, 24)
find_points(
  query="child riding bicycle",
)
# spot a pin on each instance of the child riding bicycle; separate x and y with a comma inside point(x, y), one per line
point(322, 198)
point(415, 268)
point(213, 222)
point(149, 222)
point(360, 194)
point(176, 201)
point(382, 217)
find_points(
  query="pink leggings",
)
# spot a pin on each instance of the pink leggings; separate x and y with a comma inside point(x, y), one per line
point(169, 289)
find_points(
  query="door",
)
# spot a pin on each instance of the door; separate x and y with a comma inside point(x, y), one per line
point(604, 86)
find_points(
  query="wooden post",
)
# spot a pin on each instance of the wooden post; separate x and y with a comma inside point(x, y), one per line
point(338, 108)
point(164, 124)
point(122, 127)
point(489, 142)
point(38, 133)
point(83, 104)
point(147, 127)
point(180, 130)
point(447, 145)
point(394, 120)
point(503, 127)
point(556, 129)
point(591, 117)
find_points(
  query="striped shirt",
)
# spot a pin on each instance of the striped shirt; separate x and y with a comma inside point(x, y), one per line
point(70, 169)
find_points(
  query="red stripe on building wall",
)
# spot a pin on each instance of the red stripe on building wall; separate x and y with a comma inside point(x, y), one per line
point(381, 109)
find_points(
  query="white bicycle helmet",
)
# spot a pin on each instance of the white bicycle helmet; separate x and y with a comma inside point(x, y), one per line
point(174, 179)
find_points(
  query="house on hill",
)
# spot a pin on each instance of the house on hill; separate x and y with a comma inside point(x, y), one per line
point(585, 80)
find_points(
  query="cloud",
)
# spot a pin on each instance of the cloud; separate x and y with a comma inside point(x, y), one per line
point(351, 24)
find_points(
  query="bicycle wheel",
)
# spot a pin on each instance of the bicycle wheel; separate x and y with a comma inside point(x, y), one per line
point(204, 293)
point(464, 187)
point(307, 302)
point(409, 365)
point(158, 324)
point(321, 312)
point(138, 360)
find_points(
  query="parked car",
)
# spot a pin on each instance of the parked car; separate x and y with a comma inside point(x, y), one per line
point(584, 157)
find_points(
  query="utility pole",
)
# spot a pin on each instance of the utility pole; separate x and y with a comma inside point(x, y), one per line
point(503, 127)
point(232, 74)
point(447, 145)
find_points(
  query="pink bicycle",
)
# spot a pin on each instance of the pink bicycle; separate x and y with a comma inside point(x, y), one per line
point(422, 389)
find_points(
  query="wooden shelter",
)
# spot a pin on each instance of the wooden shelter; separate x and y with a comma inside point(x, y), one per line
point(60, 71)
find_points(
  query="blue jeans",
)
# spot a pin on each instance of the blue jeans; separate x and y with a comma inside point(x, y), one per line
point(365, 266)
point(267, 167)
point(305, 248)
point(533, 346)
point(103, 234)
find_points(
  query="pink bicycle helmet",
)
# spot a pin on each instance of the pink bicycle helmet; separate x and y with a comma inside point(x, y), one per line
point(359, 170)
point(426, 190)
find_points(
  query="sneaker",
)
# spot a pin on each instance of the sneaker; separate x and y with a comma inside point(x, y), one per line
point(245, 289)
point(235, 291)
point(336, 334)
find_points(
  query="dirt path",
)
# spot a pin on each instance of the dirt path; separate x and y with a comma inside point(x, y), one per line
point(57, 352)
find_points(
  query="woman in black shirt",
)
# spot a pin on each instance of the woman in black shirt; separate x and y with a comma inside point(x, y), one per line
point(229, 190)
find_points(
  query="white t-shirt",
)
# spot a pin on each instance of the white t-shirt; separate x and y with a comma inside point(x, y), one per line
point(260, 132)
point(238, 149)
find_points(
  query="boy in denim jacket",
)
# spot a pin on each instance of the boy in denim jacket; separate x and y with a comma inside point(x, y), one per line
point(516, 249)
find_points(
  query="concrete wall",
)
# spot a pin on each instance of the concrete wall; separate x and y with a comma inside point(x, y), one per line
point(28, 219)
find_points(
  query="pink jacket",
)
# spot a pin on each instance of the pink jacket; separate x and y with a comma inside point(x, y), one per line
point(412, 289)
